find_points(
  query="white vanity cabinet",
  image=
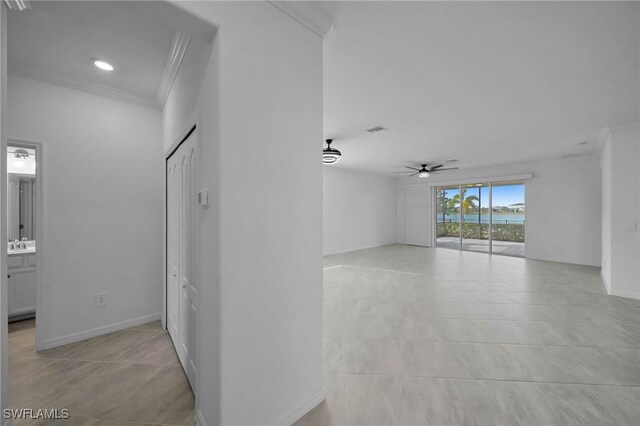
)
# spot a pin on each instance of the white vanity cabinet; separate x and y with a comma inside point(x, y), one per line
point(21, 271)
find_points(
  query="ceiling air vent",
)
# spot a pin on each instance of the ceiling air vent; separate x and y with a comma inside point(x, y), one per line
point(376, 129)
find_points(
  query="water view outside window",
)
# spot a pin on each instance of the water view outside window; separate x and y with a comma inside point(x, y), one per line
point(487, 217)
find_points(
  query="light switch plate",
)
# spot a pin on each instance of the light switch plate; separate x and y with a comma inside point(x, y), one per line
point(203, 197)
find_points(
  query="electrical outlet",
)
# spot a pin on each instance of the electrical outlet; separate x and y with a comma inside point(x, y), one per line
point(101, 300)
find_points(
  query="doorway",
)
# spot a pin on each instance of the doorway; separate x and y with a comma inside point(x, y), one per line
point(181, 285)
point(24, 228)
point(485, 217)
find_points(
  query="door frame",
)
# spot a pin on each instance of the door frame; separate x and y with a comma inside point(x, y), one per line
point(4, 305)
point(38, 235)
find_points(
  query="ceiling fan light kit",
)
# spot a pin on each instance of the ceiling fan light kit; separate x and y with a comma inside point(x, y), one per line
point(330, 155)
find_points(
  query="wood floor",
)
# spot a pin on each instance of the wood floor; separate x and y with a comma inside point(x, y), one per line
point(130, 377)
point(419, 336)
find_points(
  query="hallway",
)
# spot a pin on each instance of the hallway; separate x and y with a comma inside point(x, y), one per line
point(122, 378)
point(421, 336)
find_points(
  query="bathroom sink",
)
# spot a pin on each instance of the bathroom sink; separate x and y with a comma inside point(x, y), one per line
point(21, 251)
point(30, 247)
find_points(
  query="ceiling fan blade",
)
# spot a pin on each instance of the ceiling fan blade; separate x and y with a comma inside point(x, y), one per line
point(412, 168)
point(448, 168)
point(434, 168)
point(408, 171)
point(413, 174)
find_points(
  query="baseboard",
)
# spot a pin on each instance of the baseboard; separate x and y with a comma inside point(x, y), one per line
point(200, 419)
point(23, 311)
point(295, 415)
point(566, 262)
point(99, 331)
point(628, 295)
point(20, 317)
point(331, 267)
point(344, 251)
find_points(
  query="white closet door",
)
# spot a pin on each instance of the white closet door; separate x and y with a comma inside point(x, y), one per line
point(417, 210)
point(173, 249)
point(181, 253)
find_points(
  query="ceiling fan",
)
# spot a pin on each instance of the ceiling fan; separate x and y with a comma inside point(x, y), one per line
point(424, 171)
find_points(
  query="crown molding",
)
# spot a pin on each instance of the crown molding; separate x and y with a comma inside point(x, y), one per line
point(308, 14)
point(18, 4)
point(84, 86)
point(625, 126)
point(172, 65)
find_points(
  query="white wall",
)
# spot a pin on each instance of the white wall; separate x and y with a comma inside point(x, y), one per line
point(606, 171)
point(102, 201)
point(4, 306)
point(563, 218)
point(359, 210)
point(181, 101)
point(621, 221)
point(260, 270)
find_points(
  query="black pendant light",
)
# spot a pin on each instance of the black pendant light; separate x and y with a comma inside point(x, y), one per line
point(330, 155)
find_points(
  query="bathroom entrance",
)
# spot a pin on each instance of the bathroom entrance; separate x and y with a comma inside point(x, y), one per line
point(24, 251)
point(23, 191)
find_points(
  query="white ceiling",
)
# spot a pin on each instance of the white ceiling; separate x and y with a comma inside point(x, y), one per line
point(487, 83)
point(57, 39)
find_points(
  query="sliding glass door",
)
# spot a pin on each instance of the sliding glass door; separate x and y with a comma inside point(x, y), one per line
point(481, 216)
point(475, 217)
point(448, 217)
point(507, 221)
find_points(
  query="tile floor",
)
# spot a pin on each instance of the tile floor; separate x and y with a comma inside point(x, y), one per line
point(418, 336)
point(130, 377)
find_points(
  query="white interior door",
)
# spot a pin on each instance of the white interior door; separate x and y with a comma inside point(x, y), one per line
point(181, 252)
point(173, 249)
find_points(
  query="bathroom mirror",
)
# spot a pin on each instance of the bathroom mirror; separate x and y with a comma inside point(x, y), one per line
point(20, 205)
point(20, 193)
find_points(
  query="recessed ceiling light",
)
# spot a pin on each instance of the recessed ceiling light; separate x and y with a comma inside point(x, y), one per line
point(582, 143)
point(102, 64)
